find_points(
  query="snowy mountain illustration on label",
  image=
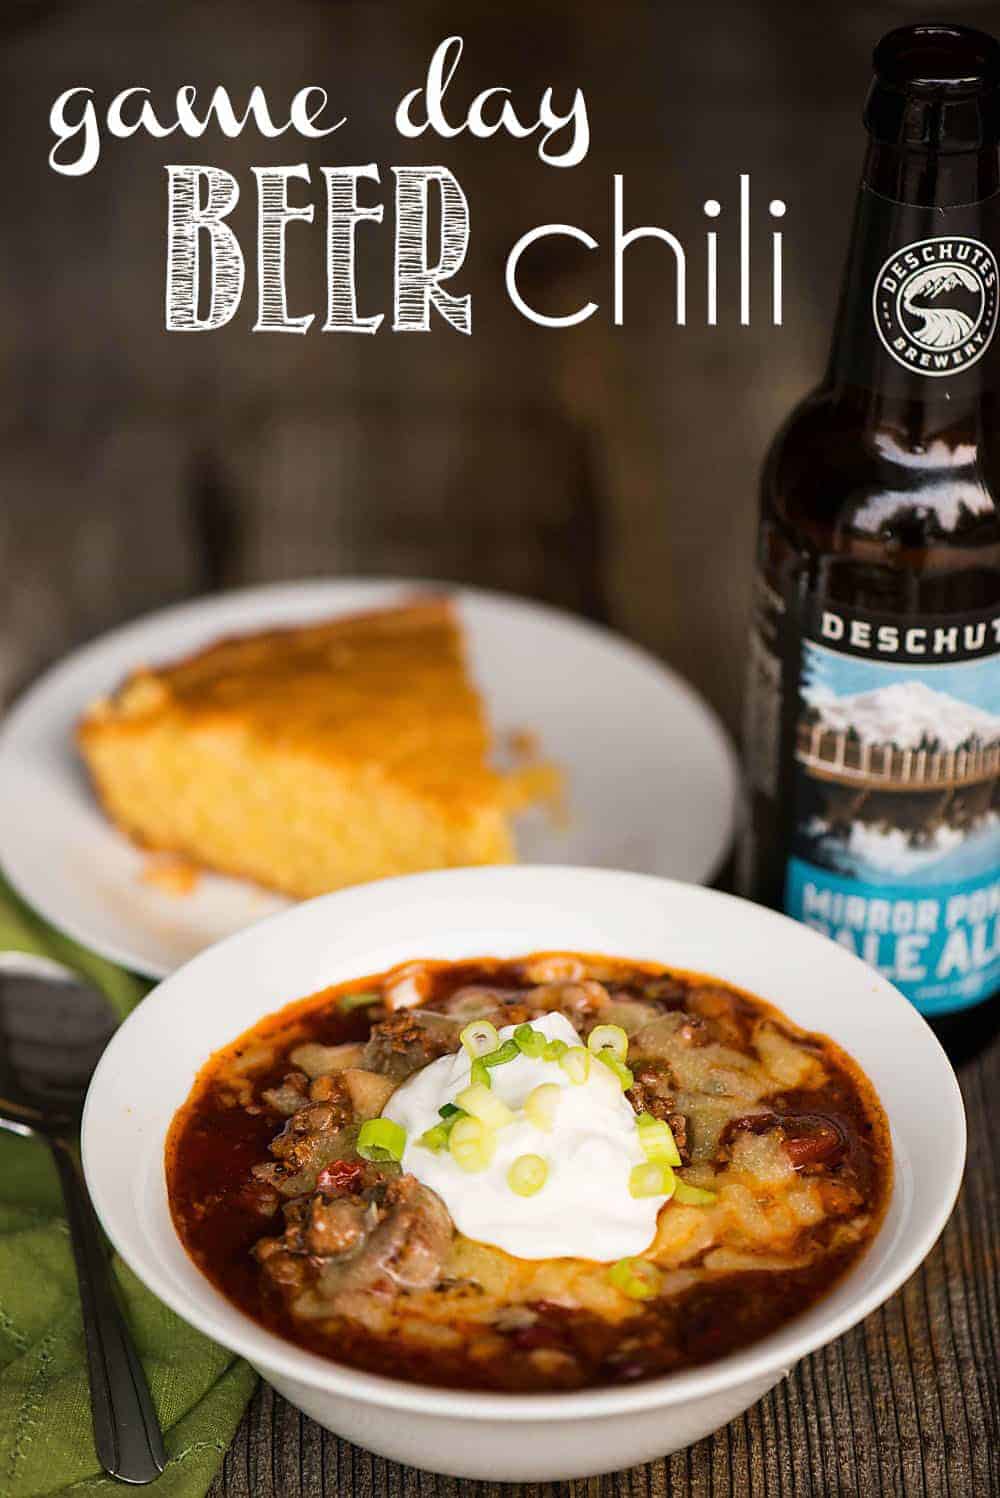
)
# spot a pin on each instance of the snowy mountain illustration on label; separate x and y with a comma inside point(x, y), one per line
point(907, 715)
point(901, 774)
point(941, 307)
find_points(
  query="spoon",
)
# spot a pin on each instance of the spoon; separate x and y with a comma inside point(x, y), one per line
point(53, 1028)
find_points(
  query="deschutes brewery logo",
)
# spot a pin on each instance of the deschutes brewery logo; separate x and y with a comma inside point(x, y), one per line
point(935, 304)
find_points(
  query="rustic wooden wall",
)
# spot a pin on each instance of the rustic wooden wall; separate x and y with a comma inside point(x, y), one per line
point(611, 470)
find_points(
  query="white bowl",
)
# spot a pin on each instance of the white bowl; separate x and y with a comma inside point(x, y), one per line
point(150, 1065)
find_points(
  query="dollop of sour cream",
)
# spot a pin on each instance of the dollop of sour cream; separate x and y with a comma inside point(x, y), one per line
point(584, 1210)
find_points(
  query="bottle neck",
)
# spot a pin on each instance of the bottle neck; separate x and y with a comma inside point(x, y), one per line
point(931, 179)
point(914, 348)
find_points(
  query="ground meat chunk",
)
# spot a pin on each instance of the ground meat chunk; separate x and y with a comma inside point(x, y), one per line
point(317, 1133)
point(281, 1264)
point(652, 1092)
point(290, 1096)
point(292, 1144)
point(391, 1238)
point(408, 1247)
point(334, 1228)
point(405, 1042)
point(317, 1228)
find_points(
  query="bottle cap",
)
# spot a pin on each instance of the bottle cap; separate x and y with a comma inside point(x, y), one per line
point(936, 86)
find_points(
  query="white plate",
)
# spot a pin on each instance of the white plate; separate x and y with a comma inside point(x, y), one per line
point(652, 779)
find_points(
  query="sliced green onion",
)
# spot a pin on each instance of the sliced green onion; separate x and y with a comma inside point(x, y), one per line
point(479, 1037)
point(553, 1049)
point(529, 1041)
point(480, 1102)
point(608, 1039)
point(381, 1139)
point(540, 1105)
point(636, 1278)
point(435, 1138)
point(351, 1001)
point(471, 1144)
point(692, 1196)
point(527, 1175)
point(619, 1069)
point(651, 1179)
point(479, 1074)
point(657, 1139)
point(576, 1064)
point(503, 1053)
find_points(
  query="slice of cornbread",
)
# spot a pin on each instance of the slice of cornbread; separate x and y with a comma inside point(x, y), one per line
point(308, 758)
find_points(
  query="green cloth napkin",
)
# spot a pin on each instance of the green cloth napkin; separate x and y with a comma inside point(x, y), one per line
point(46, 1441)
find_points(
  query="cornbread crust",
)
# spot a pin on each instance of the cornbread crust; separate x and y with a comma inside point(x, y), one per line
point(308, 758)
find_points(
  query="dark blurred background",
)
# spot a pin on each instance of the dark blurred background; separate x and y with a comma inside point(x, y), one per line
point(609, 470)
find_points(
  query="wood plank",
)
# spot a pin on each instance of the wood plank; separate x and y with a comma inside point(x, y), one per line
point(372, 489)
point(78, 550)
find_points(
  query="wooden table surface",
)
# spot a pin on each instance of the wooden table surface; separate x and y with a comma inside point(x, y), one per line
point(907, 1404)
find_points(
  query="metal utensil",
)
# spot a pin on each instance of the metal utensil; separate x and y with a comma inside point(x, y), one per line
point(53, 1028)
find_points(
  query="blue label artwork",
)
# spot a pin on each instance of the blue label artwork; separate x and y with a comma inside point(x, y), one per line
point(896, 847)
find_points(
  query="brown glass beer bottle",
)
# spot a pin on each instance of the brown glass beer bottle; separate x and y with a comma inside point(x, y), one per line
point(873, 707)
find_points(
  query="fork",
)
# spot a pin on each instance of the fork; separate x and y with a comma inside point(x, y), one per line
point(53, 1028)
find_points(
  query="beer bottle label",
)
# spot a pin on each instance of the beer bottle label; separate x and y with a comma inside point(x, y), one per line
point(889, 737)
point(922, 295)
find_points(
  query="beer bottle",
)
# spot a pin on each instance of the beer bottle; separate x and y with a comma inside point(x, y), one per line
point(873, 711)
